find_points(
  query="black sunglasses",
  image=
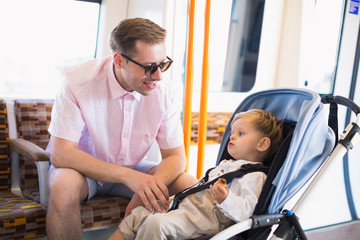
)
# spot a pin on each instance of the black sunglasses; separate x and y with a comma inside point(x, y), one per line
point(151, 69)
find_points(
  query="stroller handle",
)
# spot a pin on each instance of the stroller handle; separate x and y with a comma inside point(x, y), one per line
point(342, 101)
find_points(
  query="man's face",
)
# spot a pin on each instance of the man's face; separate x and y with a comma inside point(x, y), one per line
point(131, 76)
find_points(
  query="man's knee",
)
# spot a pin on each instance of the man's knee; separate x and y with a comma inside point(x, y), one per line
point(66, 187)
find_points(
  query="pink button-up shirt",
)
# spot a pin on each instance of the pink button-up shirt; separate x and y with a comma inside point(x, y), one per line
point(110, 123)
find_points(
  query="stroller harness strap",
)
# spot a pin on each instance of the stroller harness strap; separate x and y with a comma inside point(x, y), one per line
point(245, 169)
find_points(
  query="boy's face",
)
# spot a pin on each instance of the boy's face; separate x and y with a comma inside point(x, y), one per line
point(133, 77)
point(245, 140)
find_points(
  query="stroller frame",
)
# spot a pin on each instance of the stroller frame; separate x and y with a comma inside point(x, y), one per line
point(287, 219)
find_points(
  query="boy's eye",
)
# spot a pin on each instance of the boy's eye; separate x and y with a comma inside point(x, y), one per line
point(241, 133)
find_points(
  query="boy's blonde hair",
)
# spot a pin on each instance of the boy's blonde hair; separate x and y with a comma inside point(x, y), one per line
point(266, 123)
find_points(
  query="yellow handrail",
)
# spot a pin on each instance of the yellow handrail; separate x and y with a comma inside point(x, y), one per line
point(204, 95)
point(189, 83)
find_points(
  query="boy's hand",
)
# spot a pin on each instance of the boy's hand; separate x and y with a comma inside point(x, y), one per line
point(219, 191)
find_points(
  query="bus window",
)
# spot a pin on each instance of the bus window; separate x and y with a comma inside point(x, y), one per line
point(220, 12)
point(234, 41)
point(321, 28)
point(39, 38)
point(243, 46)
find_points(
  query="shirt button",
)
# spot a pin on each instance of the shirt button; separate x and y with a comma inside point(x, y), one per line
point(222, 171)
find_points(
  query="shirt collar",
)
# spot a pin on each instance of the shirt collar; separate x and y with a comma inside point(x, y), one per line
point(116, 89)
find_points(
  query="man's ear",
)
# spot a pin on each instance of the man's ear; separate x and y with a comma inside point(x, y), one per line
point(117, 60)
point(264, 144)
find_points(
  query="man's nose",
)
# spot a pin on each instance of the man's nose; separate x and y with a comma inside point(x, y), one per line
point(157, 76)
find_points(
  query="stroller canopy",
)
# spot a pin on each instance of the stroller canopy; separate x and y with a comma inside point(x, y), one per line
point(312, 140)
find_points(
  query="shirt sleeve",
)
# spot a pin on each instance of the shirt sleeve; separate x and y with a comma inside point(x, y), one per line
point(170, 134)
point(66, 117)
point(243, 196)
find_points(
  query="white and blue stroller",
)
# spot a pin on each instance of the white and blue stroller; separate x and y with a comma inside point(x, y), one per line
point(308, 148)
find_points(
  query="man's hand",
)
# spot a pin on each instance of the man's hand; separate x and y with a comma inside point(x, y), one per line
point(148, 189)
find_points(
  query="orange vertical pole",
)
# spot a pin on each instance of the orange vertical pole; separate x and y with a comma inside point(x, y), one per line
point(189, 82)
point(204, 95)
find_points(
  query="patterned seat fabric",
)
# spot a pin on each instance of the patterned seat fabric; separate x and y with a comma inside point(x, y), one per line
point(19, 217)
point(216, 124)
point(5, 163)
point(32, 119)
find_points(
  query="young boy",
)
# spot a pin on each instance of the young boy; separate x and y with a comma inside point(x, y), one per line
point(255, 136)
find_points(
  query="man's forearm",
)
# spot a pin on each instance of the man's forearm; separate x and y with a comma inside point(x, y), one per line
point(70, 157)
point(171, 170)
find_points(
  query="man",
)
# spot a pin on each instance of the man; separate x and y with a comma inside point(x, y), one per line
point(105, 118)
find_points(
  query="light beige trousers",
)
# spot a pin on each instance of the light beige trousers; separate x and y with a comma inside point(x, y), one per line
point(197, 215)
